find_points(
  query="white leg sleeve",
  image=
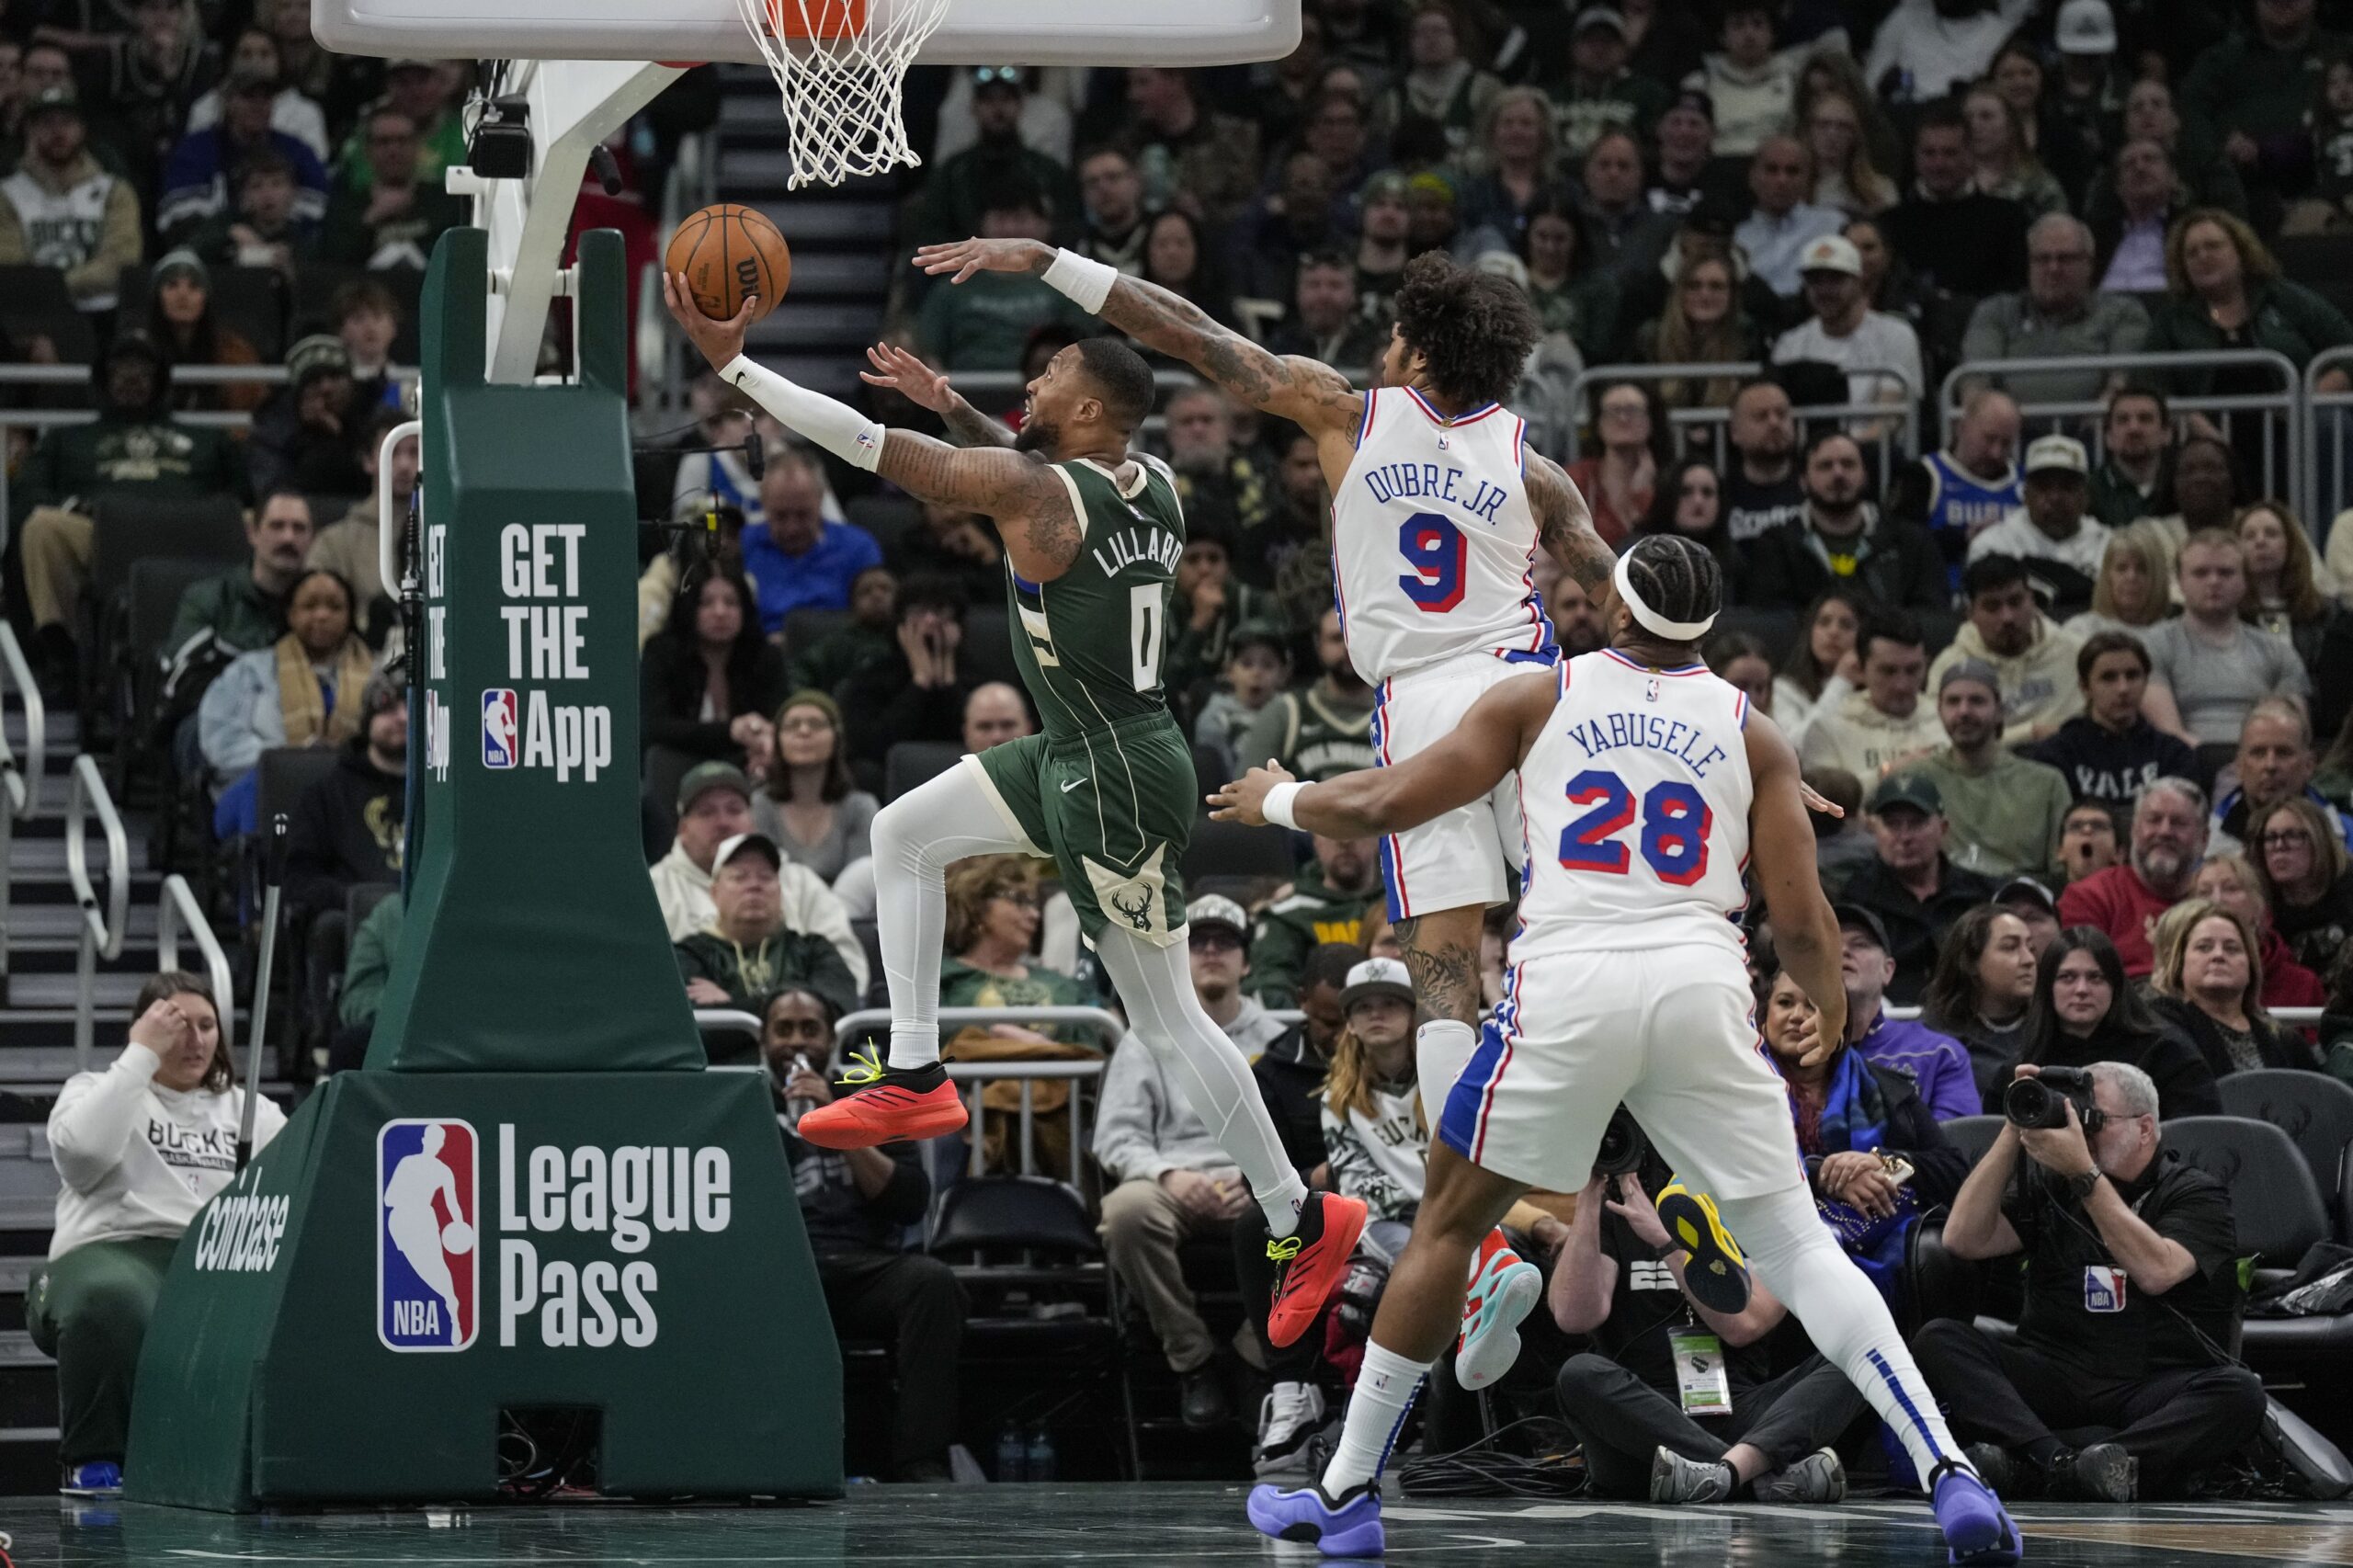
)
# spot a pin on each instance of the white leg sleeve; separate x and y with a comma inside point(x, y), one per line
point(1156, 985)
point(915, 838)
point(1791, 1251)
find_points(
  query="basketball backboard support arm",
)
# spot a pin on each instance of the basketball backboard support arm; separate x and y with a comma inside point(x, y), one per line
point(575, 106)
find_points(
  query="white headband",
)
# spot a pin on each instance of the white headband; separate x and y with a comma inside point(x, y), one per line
point(1649, 619)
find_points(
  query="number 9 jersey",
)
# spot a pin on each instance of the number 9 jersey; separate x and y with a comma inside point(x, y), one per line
point(1635, 802)
point(1433, 539)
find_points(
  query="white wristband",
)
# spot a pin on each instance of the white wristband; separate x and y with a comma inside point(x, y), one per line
point(836, 427)
point(1277, 807)
point(1085, 280)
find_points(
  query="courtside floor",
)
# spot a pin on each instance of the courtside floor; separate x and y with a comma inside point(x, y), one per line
point(1160, 1523)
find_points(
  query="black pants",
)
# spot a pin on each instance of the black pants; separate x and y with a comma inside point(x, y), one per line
point(1623, 1421)
point(913, 1300)
point(2173, 1421)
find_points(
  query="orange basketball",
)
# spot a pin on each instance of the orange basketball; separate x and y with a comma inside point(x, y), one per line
point(728, 250)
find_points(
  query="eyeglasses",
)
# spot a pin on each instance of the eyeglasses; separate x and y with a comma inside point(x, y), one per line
point(1623, 410)
point(1217, 941)
point(1025, 900)
point(2059, 258)
point(2287, 838)
point(807, 724)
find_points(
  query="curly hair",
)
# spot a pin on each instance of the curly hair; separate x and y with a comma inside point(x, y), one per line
point(1473, 330)
point(2255, 262)
point(974, 883)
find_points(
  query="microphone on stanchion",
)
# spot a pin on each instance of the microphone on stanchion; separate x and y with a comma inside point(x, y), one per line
point(607, 167)
point(756, 456)
point(273, 879)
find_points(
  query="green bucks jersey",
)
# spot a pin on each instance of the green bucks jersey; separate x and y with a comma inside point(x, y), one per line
point(1089, 644)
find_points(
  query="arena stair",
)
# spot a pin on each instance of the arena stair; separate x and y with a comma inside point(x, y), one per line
point(843, 240)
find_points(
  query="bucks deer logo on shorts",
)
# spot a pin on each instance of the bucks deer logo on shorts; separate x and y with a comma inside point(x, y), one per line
point(1137, 901)
point(427, 1246)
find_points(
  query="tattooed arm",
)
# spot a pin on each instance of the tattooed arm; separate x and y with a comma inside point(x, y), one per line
point(1029, 500)
point(901, 371)
point(1564, 524)
point(1310, 394)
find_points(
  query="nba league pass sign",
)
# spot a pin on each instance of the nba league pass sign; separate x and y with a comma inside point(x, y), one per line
point(427, 1277)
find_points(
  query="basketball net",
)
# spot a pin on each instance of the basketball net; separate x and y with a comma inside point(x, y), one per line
point(842, 65)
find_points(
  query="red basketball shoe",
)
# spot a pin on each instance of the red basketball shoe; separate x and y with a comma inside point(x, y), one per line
point(885, 1105)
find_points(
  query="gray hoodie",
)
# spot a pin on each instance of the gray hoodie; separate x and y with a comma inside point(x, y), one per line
point(1144, 1125)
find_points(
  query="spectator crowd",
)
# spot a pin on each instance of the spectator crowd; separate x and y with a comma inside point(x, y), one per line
point(2079, 675)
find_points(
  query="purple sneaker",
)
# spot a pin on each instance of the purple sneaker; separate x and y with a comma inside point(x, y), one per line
point(1977, 1530)
point(1349, 1526)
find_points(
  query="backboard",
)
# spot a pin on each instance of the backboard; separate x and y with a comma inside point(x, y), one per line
point(976, 32)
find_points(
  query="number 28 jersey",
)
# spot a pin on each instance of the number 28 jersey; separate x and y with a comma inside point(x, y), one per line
point(1635, 802)
point(1433, 539)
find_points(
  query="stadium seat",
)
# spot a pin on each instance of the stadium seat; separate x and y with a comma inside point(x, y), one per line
point(328, 954)
point(804, 629)
point(887, 517)
point(2314, 1110)
point(664, 768)
point(1230, 849)
point(986, 653)
point(327, 510)
point(128, 529)
point(1973, 1135)
point(34, 302)
point(911, 762)
point(2278, 1209)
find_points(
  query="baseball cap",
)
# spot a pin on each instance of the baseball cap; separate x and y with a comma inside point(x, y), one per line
point(1377, 977)
point(2030, 890)
point(1912, 789)
point(1697, 100)
point(1503, 265)
point(1855, 917)
point(1258, 634)
point(2087, 26)
point(705, 777)
point(1831, 253)
point(2050, 454)
point(1601, 17)
point(57, 95)
point(1216, 909)
point(1977, 670)
point(759, 844)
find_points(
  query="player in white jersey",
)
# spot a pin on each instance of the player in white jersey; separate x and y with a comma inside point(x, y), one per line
point(1438, 510)
point(1648, 786)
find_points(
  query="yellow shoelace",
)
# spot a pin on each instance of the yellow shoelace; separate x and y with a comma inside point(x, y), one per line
point(866, 1067)
point(1284, 1250)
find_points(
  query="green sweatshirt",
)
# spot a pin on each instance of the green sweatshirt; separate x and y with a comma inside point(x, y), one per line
point(1311, 914)
point(370, 967)
point(233, 608)
point(751, 975)
point(2004, 821)
point(127, 451)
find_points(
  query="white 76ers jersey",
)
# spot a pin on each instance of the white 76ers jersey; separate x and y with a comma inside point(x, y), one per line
point(1433, 537)
point(1636, 803)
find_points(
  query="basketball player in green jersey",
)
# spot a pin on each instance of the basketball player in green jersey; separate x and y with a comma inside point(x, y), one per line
point(1092, 533)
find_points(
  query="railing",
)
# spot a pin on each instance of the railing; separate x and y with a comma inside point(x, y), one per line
point(2289, 402)
point(101, 933)
point(178, 907)
point(1715, 422)
point(391, 530)
point(19, 779)
point(2327, 492)
point(1027, 1073)
point(2280, 1015)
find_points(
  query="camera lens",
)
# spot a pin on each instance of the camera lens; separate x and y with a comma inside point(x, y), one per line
point(2028, 1102)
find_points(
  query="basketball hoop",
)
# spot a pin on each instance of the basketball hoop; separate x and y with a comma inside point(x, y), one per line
point(841, 66)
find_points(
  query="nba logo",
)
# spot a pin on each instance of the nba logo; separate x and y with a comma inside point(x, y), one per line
point(498, 727)
point(2103, 1288)
point(426, 1278)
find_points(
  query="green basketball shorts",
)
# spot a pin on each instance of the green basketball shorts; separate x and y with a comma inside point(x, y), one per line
point(1115, 809)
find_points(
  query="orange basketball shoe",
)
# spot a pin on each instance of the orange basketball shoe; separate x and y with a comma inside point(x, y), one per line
point(1314, 1259)
point(885, 1105)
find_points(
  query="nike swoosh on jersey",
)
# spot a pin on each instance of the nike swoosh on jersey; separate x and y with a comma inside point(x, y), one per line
point(1073, 785)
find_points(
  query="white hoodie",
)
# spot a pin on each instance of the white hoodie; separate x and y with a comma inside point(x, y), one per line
point(140, 1159)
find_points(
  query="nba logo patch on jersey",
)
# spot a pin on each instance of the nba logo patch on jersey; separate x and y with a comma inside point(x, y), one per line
point(499, 728)
point(2103, 1288)
point(426, 1238)
point(1649, 690)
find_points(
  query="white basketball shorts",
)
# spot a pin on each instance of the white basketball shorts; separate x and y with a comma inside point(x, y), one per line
point(1669, 1032)
point(1473, 854)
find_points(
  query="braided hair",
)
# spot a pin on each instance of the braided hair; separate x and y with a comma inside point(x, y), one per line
point(1676, 576)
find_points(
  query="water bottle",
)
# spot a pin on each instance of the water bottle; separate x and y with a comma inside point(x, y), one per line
point(800, 1105)
point(1012, 1455)
point(1041, 1465)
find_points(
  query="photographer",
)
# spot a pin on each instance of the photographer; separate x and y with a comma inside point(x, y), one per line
point(1671, 1402)
point(853, 1204)
point(2132, 1293)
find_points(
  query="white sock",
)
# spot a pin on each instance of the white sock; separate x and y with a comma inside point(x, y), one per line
point(1442, 1048)
point(1385, 1388)
point(914, 845)
point(1790, 1250)
point(1156, 985)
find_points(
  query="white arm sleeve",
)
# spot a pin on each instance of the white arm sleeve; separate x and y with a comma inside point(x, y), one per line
point(836, 427)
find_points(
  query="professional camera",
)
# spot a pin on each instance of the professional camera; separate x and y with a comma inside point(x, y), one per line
point(1623, 1146)
point(2040, 1101)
